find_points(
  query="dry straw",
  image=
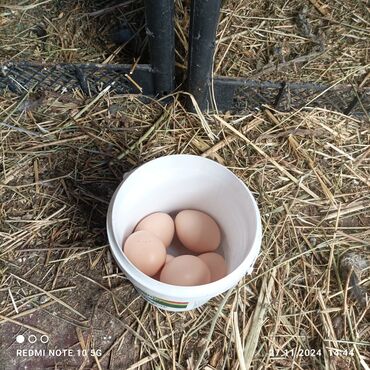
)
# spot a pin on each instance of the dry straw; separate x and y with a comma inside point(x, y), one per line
point(62, 156)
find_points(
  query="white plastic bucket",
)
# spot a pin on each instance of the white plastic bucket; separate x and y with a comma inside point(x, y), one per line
point(173, 183)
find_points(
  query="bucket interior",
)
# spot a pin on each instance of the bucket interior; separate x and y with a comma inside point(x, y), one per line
point(175, 183)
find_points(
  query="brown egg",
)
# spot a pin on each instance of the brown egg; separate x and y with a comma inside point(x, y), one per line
point(145, 251)
point(185, 270)
point(168, 259)
point(197, 231)
point(160, 224)
point(216, 264)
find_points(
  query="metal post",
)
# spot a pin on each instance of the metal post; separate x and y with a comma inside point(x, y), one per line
point(204, 18)
point(161, 33)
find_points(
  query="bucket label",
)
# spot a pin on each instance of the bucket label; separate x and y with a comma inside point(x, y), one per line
point(164, 303)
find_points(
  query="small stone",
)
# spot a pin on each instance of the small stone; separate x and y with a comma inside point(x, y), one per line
point(313, 241)
point(43, 299)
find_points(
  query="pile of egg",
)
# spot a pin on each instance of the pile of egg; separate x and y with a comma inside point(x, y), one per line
point(147, 246)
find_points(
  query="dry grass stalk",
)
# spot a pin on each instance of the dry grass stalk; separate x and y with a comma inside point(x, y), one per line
point(252, 338)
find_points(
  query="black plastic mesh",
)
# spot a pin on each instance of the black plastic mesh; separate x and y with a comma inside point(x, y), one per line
point(236, 95)
point(251, 95)
point(90, 78)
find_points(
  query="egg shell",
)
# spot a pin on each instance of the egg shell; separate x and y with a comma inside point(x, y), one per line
point(145, 251)
point(158, 274)
point(160, 224)
point(197, 231)
point(169, 258)
point(216, 264)
point(185, 270)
